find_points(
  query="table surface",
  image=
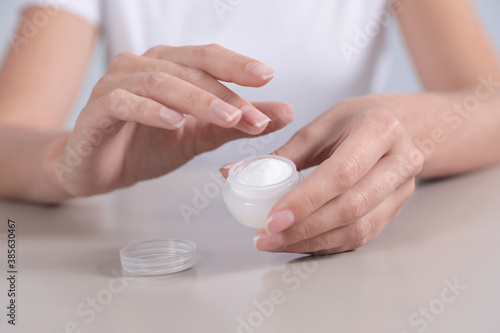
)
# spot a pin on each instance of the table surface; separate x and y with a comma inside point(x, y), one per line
point(435, 269)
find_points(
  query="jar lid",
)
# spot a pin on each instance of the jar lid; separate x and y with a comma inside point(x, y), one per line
point(158, 257)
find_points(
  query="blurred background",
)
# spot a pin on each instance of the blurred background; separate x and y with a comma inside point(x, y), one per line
point(401, 77)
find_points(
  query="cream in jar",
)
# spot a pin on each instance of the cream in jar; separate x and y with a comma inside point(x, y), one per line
point(254, 185)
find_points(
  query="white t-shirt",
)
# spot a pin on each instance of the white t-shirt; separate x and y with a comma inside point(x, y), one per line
point(323, 51)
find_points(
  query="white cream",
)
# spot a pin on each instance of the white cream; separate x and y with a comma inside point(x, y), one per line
point(255, 185)
point(264, 172)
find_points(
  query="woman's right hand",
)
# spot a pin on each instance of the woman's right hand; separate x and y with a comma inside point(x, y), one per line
point(150, 114)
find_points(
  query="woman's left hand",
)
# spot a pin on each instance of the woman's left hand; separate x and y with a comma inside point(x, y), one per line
point(367, 163)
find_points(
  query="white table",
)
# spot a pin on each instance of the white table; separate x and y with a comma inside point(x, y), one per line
point(448, 233)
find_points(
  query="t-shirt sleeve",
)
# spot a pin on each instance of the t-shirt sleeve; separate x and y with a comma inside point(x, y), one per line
point(89, 10)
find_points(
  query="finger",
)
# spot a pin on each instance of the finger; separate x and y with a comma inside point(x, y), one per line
point(281, 114)
point(360, 231)
point(380, 183)
point(224, 170)
point(385, 177)
point(370, 137)
point(254, 120)
point(219, 62)
point(122, 105)
point(182, 96)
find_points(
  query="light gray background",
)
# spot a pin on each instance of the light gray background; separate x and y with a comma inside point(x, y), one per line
point(402, 77)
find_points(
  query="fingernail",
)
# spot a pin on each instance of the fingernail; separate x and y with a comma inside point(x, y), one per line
point(224, 170)
point(260, 70)
point(268, 242)
point(172, 117)
point(179, 125)
point(225, 111)
point(254, 116)
point(279, 222)
point(263, 122)
point(255, 239)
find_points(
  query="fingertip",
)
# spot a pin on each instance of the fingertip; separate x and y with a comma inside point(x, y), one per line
point(255, 118)
point(236, 114)
point(262, 232)
point(284, 115)
point(172, 118)
point(224, 170)
point(279, 221)
point(262, 123)
point(181, 123)
point(229, 114)
point(289, 113)
point(260, 71)
point(224, 173)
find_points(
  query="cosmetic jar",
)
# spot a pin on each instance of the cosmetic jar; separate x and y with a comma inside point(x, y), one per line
point(254, 185)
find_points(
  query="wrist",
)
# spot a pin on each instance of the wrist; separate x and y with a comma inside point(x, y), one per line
point(53, 169)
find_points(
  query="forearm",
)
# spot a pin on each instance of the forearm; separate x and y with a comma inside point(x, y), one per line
point(457, 131)
point(447, 42)
point(26, 169)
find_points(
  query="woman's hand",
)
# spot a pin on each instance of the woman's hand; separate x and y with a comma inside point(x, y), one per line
point(150, 114)
point(367, 164)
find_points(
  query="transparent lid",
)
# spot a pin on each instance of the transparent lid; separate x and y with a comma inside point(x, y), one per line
point(158, 257)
